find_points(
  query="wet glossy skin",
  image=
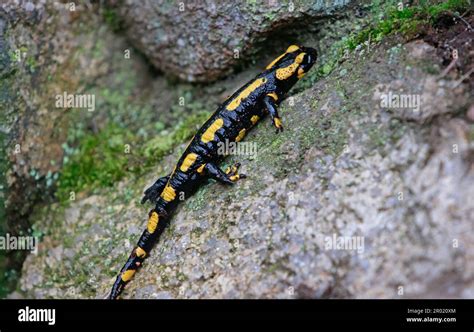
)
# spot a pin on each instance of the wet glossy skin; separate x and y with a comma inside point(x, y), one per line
point(230, 122)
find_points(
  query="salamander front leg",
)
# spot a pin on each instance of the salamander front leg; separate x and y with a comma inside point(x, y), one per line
point(229, 177)
point(272, 109)
point(233, 172)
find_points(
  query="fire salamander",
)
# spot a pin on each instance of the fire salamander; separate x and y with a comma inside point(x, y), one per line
point(230, 122)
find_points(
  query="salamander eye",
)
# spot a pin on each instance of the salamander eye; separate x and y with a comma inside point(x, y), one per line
point(311, 55)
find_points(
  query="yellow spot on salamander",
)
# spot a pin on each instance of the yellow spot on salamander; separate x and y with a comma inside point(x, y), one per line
point(127, 275)
point(287, 72)
point(210, 132)
point(301, 73)
point(152, 222)
point(254, 119)
point(140, 252)
point(230, 169)
point(188, 161)
point(300, 57)
point(201, 168)
point(234, 177)
point(277, 122)
point(245, 93)
point(290, 49)
point(240, 136)
point(273, 95)
point(168, 193)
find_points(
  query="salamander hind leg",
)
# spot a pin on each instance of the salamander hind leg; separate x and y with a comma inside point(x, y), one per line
point(154, 191)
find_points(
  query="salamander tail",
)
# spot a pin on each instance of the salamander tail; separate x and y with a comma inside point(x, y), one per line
point(155, 227)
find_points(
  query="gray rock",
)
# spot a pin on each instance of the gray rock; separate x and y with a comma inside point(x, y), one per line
point(203, 40)
point(372, 202)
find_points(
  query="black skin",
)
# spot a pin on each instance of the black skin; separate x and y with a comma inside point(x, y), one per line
point(259, 101)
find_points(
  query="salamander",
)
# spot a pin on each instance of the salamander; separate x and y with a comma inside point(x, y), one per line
point(199, 162)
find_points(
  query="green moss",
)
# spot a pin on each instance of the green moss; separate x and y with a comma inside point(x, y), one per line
point(4, 166)
point(385, 19)
point(8, 277)
point(406, 21)
point(273, 267)
point(199, 198)
point(161, 145)
point(383, 136)
point(448, 6)
point(31, 63)
point(326, 132)
point(378, 137)
point(331, 135)
point(102, 159)
point(181, 276)
point(112, 18)
point(471, 133)
point(270, 16)
point(252, 6)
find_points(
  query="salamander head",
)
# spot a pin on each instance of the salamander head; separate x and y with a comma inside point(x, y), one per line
point(309, 59)
point(294, 63)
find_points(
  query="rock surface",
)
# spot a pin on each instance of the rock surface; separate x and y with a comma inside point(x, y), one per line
point(396, 181)
point(47, 50)
point(201, 41)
